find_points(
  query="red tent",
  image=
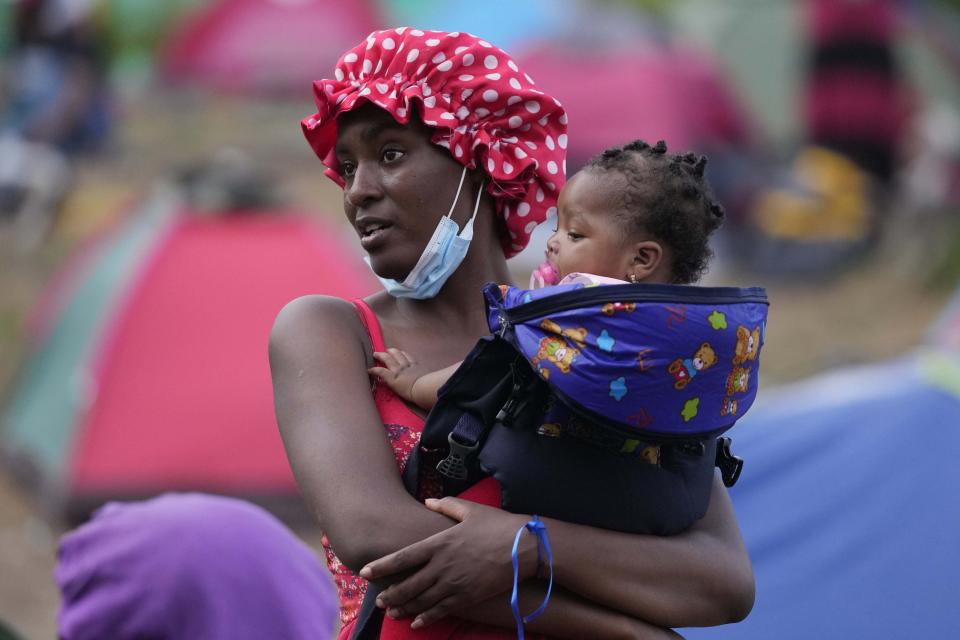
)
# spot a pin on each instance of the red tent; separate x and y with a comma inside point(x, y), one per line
point(616, 94)
point(265, 45)
point(154, 375)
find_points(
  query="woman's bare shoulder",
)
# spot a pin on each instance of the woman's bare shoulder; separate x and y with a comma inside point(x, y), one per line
point(314, 322)
point(303, 314)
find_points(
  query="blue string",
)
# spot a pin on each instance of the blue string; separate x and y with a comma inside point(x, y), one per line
point(539, 529)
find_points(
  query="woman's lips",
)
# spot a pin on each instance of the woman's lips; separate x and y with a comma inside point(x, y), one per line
point(374, 238)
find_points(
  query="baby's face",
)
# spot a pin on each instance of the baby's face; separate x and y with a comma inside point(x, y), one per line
point(589, 237)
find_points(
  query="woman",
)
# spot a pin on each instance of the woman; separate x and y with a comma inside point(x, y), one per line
point(413, 122)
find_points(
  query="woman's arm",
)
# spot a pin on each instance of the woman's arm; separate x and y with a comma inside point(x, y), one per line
point(701, 577)
point(566, 616)
point(343, 463)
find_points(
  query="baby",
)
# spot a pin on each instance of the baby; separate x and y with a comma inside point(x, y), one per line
point(634, 214)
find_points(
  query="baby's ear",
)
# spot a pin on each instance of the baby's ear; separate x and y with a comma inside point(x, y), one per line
point(647, 256)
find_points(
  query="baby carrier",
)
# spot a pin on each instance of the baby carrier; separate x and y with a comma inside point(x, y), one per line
point(600, 405)
point(597, 405)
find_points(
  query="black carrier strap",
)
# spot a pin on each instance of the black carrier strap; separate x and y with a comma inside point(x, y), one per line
point(469, 432)
point(370, 617)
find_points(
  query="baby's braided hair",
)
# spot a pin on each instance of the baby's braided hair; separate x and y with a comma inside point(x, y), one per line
point(668, 197)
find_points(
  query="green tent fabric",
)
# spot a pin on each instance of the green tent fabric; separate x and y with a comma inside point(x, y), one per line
point(56, 384)
point(137, 28)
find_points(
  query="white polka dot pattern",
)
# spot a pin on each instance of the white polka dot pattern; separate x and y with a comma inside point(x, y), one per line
point(486, 111)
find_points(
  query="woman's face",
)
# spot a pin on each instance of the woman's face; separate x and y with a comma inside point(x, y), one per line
point(398, 186)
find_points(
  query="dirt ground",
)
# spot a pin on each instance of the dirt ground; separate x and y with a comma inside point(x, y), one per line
point(878, 309)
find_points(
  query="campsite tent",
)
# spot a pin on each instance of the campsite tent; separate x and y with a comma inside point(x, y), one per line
point(149, 367)
point(617, 94)
point(257, 46)
point(848, 501)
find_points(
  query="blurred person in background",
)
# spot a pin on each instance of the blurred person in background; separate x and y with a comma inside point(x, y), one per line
point(55, 81)
point(54, 107)
point(829, 206)
point(130, 572)
point(856, 98)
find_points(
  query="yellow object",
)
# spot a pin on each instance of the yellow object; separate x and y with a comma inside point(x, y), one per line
point(831, 204)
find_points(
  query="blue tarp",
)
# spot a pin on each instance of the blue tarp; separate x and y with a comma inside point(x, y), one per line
point(850, 505)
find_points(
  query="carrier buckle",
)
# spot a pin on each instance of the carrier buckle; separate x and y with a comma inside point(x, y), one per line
point(730, 465)
point(504, 415)
point(512, 406)
point(454, 466)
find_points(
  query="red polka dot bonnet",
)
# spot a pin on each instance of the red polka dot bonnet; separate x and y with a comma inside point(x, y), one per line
point(483, 108)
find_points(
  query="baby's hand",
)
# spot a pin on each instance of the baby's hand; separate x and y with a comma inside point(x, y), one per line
point(398, 371)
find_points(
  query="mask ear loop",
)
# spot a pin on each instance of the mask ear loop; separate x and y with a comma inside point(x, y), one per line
point(453, 206)
point(467, 233)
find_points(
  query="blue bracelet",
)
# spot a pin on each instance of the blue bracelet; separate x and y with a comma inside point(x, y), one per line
point(539, 529)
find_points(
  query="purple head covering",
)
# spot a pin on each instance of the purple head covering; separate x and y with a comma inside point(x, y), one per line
point(191, 566)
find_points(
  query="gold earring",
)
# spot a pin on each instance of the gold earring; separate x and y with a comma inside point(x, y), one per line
point(633, 278)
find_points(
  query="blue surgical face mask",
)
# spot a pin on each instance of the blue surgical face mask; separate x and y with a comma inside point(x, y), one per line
point(441, 257)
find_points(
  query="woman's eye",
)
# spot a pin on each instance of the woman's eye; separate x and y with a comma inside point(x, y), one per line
point(391, 155)
point(347, 169)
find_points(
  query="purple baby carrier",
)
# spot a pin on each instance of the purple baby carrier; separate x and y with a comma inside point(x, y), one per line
point(601, 405)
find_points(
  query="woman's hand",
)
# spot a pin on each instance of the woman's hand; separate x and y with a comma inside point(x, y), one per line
point(456, 568)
